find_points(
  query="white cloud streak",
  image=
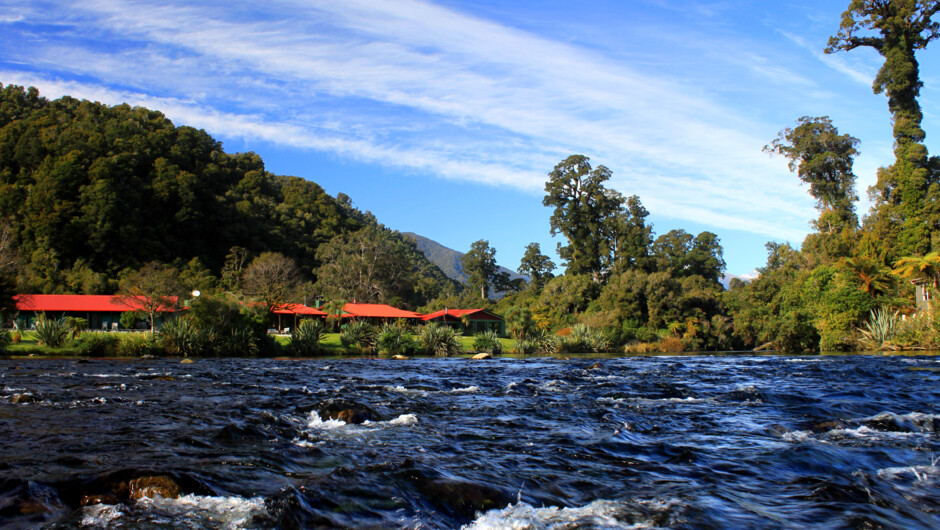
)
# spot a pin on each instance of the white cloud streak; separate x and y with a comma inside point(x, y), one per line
point(410, 84)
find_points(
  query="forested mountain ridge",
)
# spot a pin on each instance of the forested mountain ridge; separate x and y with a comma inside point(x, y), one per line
point(448, 259)
point(88, 190)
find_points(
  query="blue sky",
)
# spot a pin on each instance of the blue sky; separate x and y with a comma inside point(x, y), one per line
point(443, 118)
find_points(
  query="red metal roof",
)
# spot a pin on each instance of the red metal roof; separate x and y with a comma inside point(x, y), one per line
point(89, 303)
point(377, 311)
point(456, 313)
point(298, 309)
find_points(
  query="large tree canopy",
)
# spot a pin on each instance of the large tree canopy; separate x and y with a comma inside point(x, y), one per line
point(823, 159)
point(583, 206)
point(896, 29)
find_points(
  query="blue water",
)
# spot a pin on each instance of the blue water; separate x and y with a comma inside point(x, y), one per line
point(675, 442)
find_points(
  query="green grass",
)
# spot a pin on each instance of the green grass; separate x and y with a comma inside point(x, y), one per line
point(28, 345)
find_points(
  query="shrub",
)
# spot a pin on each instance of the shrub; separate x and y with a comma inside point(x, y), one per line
point(917, 331)
point(878, 332)
point(488, 341)
point(671, 345)
point(181, 336)
point(97, 344)
point(138, 345)
point(583, 339)
point(5, 339)
point(540, 342)
point(359, 334)
point(305, 338)
point(130, 319)
point(52, 333)
point(16, 336)
point(439, 340)
point(395, 340)
point(75, 326)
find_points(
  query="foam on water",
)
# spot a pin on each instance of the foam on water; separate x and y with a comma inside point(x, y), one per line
point(465, 390)
point(315, 422)
point(600, 514)
point(188, 511)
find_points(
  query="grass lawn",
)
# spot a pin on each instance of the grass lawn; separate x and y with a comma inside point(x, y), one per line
point(29, 345)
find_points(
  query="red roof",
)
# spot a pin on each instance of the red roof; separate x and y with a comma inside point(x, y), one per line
point(90, 303)
point(298, 309)
point(377, 311)
point(456, 313)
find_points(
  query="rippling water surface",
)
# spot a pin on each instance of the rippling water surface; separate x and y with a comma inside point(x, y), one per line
point(679, 442)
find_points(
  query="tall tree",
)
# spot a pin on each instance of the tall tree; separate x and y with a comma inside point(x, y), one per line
point(537, 266)
point(631, 237)
point(367, 266)
point(480, 266)
point(272, 278)
point(582, 207)
point(822, 158)
point(153, 288)
point(896, 29)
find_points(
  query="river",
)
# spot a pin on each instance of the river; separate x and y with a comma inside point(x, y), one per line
point(736, 441)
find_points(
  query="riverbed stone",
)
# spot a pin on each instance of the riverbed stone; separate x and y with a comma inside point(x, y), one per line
point(481, 356)
point(25, 397)
point(347, 411)
point(399, 357)
point(152, 486)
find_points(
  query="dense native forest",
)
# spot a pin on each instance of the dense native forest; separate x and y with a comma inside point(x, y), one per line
point(90, 193)
point(97, 199)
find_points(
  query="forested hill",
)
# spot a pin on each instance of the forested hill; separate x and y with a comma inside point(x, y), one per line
point(448, 259)
point(88, 190)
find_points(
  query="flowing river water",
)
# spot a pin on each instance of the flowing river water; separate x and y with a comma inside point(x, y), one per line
point(636, 442)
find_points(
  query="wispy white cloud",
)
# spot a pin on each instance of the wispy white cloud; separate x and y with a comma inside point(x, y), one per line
point(407, 83)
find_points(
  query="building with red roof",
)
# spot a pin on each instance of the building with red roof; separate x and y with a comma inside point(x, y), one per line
point(477, 320)
point(377, 311)
point(298, 311)
point(100, 311)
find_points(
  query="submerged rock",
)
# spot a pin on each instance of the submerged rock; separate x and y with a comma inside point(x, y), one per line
point(186, 361)
point(346, 411)
point(159, 485)
point(25, 397)
point(399, 357)
point(481, 356)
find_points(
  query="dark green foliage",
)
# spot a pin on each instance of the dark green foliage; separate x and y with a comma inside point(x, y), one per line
point(537, 266)
point(896, 29)
point(98, 344)
point(360, 336)
point(5, 339)
point(51, 332)
point(305, 338)
point(488, 341)
point(540, 342)
point(218, 326)
point(90, 190)
point(139, 345)
point(377, 265)
point(439, 340)
point(583, 339)
point(479, 263)
point(129, 319)
point(823, 159)
point(395, 340)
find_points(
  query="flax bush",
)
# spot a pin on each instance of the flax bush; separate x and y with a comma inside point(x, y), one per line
point(584, 340)
point(181, 336)
point(359, 335)
point(488, 341)
point(51, 332)
point(395, 340)
point(438, 339)
point(305, 338)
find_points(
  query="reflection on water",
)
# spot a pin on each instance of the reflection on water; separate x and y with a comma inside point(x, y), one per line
point(743, 441)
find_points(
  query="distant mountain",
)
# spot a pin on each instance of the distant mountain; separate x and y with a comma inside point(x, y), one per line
point(448, 259)
point(726, 279)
